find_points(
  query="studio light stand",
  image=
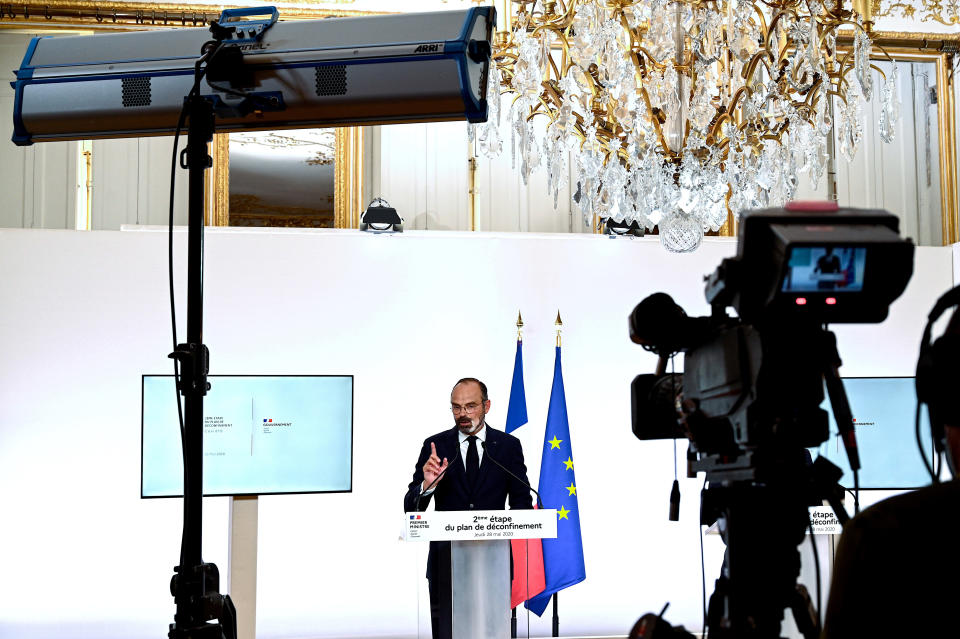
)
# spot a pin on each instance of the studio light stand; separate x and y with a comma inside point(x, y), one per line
point(195, 585)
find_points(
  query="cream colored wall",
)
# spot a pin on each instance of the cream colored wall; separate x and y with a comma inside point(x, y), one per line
point(38, 182)
point(131, 177)
point(422, 170)
point(131, 183)
point(895, 176)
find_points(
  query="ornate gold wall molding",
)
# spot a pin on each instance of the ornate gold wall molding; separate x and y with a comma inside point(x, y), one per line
point(220, 152)
point(947, 134)
point(53, 14)
point(913, 40)
point(106, 15)
point(947, 124)
point(938, 48)
point(348, 180)
point(947, 13)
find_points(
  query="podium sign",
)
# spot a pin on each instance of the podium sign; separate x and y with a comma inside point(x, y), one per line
point(480, 525)
point(480, 561)
point(824, 521)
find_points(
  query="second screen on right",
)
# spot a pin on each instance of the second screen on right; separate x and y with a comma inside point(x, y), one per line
point(884, 412)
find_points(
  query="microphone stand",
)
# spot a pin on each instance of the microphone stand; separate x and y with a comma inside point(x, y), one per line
point(507, 470)
point(513, 612)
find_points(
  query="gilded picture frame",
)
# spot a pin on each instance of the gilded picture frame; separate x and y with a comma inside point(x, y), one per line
point(939, 49)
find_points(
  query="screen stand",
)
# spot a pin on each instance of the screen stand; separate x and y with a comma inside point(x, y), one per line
point(242, 563)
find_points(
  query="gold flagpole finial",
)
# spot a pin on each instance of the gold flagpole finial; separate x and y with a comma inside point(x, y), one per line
point(559, 325)
point(519, 327)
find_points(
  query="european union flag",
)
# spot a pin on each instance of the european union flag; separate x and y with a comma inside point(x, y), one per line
point(562, 557)
point(517, 409)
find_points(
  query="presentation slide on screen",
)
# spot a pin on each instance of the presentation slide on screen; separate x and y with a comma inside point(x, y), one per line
point(261, 435)
point(884, 410)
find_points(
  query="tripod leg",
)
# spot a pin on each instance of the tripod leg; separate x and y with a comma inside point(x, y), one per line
point(804, 613)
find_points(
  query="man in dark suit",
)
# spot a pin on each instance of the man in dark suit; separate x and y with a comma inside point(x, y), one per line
point(456, 467)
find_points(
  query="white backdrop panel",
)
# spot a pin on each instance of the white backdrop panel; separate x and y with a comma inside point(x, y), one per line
point(85, 314)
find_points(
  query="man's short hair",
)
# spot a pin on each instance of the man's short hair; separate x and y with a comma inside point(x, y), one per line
point(483, 387)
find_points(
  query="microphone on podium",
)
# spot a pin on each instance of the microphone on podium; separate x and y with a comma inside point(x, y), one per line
point(507, 470)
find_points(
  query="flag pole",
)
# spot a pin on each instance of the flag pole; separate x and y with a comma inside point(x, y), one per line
point(563, 560)
point(556, 617)
point(513, 611)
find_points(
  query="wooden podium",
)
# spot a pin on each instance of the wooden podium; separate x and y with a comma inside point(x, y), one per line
point(480, 560)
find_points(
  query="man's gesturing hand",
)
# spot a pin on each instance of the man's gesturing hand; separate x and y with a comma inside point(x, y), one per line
point(433, 468)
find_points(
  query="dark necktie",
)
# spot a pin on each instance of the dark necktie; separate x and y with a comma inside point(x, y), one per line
point(473, 460)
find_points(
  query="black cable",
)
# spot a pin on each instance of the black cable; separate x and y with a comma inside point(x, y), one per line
point(856, 492)
point(703, 572)
point(816, 563)
point(199, 71)
point(173, 311)
point(703, 565)
point(674, 459)
point(937, 460)
point(923, 455)
point(673, 394)
point(856, 497)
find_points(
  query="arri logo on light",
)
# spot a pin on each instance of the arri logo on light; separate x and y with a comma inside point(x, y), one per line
point(428, 48)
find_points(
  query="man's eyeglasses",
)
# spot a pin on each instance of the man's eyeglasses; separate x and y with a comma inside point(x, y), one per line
point(469, 408)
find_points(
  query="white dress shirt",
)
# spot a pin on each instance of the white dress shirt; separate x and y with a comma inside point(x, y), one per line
point(465, 444)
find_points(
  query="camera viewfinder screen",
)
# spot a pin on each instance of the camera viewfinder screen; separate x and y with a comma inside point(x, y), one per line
point(825, 269)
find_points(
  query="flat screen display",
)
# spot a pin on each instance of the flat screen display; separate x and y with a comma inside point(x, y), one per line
point(825, 269)
point(884, 410)
point(262, 435)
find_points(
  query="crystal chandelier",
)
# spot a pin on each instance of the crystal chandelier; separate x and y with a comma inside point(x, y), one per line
point(678, 111)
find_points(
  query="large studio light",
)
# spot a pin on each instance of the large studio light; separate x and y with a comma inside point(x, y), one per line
point(377, 69)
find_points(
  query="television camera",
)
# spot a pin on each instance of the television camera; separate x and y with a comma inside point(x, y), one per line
point(750, 393)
